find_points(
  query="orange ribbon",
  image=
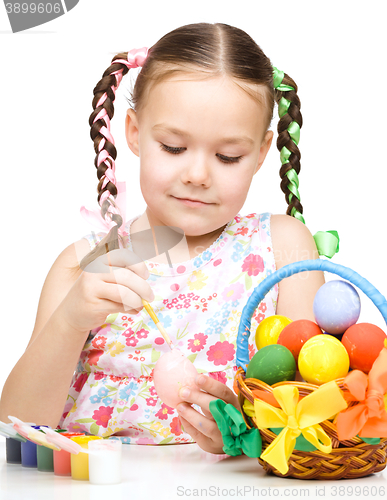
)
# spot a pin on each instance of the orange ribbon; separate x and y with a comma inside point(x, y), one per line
point(369, 417)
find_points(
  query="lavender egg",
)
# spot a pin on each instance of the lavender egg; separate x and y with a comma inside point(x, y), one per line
point(336, 306)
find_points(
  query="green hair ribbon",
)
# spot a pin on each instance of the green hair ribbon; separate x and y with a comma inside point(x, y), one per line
point(236, 437)
point(327, 242)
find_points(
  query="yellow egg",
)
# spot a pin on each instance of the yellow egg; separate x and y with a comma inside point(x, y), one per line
point(269, 330)
point(323, 358)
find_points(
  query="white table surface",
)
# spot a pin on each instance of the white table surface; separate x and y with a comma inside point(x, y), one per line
point(180, 471)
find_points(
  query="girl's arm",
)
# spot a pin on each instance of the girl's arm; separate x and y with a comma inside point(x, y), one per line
point(292, 241)
point(71, 304)
point(37, 387)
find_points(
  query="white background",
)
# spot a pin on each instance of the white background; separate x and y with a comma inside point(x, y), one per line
point(335, 51)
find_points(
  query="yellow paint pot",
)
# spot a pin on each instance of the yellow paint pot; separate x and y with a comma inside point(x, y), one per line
point(80, 461)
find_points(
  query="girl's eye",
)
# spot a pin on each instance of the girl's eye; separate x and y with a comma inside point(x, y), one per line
point(229, 159)
point(222, 158)
point(174, 151)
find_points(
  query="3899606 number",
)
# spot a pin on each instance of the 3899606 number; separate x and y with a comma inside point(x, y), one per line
point(32, 8)
point(358, 491)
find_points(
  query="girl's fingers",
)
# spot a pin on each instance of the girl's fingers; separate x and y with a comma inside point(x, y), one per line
point(123, 276)
point(121, 286)
point(109, 307)
point(217, 389)
point(198, 423)
point(132, 281)
point(121, 294)
point(123, 257)
point(199, 398)
point(207, 413)
point(118, 276)
point(190, 429)
point(98, 290)
point(213, 390)
point(211, 444)
point(118, 258)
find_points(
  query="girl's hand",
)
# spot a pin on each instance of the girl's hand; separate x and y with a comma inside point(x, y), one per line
point(114, 282)
point(203, 428)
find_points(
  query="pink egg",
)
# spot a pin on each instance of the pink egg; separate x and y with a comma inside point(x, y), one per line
point(172, 372)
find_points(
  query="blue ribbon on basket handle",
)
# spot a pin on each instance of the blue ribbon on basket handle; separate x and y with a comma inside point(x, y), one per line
point(242, 353)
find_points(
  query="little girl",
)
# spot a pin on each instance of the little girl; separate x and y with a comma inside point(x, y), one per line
point(202, 106)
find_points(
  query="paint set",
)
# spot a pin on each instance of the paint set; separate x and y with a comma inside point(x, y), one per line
point(77, 455)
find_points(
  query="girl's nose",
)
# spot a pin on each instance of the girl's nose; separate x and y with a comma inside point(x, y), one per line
point(197, 171)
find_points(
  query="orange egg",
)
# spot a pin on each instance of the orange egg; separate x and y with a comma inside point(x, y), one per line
point(295, 334)
point(363, 342)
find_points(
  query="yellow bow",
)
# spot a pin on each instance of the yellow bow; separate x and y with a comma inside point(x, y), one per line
point(296, 417)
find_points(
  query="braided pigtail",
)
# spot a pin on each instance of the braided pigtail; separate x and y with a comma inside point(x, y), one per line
point(104, 147)
point(289, 127)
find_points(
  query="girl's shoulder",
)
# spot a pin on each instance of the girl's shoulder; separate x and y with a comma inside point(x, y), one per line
point(285, 226)
point(291, 239)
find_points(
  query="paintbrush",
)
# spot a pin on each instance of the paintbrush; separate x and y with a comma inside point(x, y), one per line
point(160, 327)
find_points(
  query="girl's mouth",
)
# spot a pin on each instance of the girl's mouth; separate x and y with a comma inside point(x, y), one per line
point(190, 203)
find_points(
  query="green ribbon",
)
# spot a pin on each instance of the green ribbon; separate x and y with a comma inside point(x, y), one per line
point(370, 440)
point(293, 188)
point(302, 444)
point(327, 243)
point(236, 437)
point(294, 132)
point(293, 177)
point(284, 155)
point(283, 106)
point(278, 76)
point(294, 213)
point(284, 88)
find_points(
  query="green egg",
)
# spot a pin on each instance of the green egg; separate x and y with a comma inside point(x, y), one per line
point(271, 364)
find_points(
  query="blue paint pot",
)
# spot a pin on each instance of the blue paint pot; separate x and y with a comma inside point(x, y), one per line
point(28, 454)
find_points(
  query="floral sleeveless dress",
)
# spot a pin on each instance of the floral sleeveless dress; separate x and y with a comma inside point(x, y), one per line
point(199, 303)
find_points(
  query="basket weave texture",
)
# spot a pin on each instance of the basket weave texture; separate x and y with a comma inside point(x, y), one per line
point(350, 459)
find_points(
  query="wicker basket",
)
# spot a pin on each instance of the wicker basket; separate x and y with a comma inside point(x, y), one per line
point(348, 459)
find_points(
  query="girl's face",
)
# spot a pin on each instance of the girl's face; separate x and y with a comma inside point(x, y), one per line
point(199, 140)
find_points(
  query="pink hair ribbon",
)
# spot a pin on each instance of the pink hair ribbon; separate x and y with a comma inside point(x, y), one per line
point(136, 58)
point(95, 218)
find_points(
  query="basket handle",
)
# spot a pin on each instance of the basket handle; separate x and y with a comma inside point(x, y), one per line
point(242, 352)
